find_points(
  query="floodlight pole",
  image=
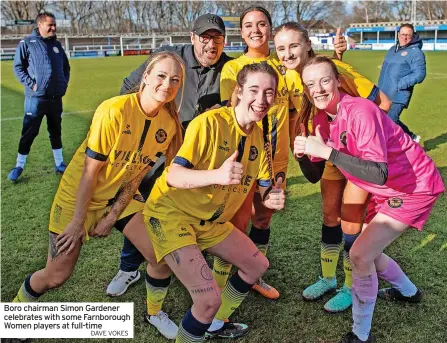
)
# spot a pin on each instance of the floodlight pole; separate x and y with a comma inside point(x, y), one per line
point(121, 45)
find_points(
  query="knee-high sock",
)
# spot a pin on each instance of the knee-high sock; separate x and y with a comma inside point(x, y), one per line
point(261, 238)
point(156, 290)
point(397, 278)
point(331, 243)
point(26, 294)
point(347, 266)
point(221, 271)
point(364, 295)
point(191, 330)
point(232, 296)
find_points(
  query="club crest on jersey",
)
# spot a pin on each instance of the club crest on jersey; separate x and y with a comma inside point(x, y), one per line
point(404, 53)
point(56, 50)
point(281, 69)
point(253, 153)
point(343, 137)
point(161, 136)
point(281, 175)
point(395, 202)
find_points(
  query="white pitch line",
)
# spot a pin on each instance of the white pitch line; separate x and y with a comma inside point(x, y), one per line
point(63, 113)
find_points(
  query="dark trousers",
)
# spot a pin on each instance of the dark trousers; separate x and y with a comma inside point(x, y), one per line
point(131, 258)
point(35, 109)
point(394, 113)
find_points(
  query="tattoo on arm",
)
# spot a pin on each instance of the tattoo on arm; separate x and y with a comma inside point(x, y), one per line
point(256, 253)
point(205, 289)
point(53, 250)
point(176, 257)
point(189, 185)
point(126, 194)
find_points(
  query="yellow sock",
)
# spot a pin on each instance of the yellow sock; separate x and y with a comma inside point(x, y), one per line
point(156, 291)
point(331, 244)
point(261, 238)
point(232, 296)
point(221, 271)
point(26, 294)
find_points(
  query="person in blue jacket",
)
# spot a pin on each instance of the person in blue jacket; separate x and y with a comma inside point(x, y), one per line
point(403, 67)
point(42, 67)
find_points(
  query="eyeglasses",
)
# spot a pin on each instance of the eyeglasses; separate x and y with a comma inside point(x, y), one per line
point(205, 39)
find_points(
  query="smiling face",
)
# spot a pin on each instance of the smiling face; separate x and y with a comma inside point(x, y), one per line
point(292, 48)
point(47, 27)
point(163, 81)
point(257, 96)
point(206, 50)
point(405, 35)
point(256, 30)
point(321, 86)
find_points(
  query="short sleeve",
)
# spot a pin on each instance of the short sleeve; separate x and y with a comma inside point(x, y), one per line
point(355, 84)
point(195, 144)
point(367, 129)
point(103, 133)
point(227, 82)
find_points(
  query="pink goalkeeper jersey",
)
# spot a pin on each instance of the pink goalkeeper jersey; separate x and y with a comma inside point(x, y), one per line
point(362, 130)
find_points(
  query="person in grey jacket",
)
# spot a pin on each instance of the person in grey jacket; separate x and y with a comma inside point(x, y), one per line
point(403, 67)
point(42, 67)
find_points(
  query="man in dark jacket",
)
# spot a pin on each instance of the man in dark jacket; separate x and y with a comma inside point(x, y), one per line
point(42, 68)
point(403, 67)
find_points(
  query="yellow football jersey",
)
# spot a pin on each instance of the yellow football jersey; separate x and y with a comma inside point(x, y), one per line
point(352, 83)
point(278, 114)
point(126, 139)
point(210, 140)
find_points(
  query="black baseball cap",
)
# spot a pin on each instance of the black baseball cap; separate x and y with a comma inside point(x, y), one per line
point(208, 22)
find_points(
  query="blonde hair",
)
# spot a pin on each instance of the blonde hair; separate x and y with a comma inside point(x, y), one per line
point(170, 106)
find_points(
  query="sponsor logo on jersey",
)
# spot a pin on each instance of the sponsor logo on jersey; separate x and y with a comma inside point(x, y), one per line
point(161, 136)
point(395, 202)
point(127, 131)
point(343, 137)
point(253, 153)
point(131, 156)
point(225, 147)
point(281, 175)
point(404, 53)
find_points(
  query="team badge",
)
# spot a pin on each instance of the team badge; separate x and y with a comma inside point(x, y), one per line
point(56, 50)
point(343, 137)
point(395, 202)
point(253, 153)
point(139, 198)
point(281, 69)
point(281, 175)
point(404, 53)
point(161, 136)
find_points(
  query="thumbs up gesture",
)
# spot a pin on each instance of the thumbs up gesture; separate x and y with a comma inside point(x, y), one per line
point(230, 173)
point(316, 147)
point(299, 146)
point(276, 199)
point(340, 44)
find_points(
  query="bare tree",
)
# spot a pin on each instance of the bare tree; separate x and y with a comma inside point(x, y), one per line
point(432, 10)
point(375, 11)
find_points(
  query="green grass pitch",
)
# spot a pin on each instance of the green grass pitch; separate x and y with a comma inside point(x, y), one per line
point(295, 246)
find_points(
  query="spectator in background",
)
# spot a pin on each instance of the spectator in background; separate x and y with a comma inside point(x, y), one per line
point(42, 68)
point(403, 67)
point(204, 59)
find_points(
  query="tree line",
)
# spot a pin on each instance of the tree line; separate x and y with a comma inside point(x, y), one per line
point(100, 17)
